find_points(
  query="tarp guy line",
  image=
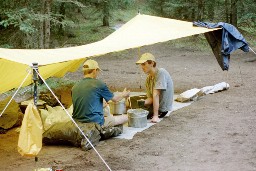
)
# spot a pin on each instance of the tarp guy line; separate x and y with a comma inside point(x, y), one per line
point(15, 93)
point(252, 50)
point(72, 119)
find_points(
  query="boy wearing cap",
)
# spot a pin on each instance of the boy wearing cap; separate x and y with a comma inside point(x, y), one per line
point(159, 88)
point(88, 95)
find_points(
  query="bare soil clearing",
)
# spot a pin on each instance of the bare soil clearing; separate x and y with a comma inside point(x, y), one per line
point(218, 132)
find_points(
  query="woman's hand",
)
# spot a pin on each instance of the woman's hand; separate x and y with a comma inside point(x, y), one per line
point(155, 119)
point(125, 93)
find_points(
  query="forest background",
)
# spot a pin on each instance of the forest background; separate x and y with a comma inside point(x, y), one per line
point(61, 23)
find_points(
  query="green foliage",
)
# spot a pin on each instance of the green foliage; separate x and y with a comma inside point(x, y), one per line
point(177, 9)
point(88, 33)
point(213, 10)
point(6, 46)
point(25, 19)
point(55, 83)
point(89, 28)
point(189, 43)
point(21, 18)
point(248, 20)
point(82, 19)
point(76, 3)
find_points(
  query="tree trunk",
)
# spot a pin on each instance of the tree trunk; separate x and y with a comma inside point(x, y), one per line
point(106, 14)
point(62, 12)
point(211, 12)
point(233, 14)
point(193, 14)
point(191, 11)
point(47, 24)
point(162, 8)
point(200, 10)
point(227, 10)
point(41, 27)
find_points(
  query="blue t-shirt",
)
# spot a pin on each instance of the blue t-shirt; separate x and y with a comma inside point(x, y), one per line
point(87, 98)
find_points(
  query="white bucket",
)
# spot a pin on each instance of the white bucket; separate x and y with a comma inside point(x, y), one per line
point(137, 118)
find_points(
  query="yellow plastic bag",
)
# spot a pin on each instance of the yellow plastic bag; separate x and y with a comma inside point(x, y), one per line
point(30, 138)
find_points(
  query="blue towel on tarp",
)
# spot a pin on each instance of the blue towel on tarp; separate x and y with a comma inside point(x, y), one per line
point(224, 42)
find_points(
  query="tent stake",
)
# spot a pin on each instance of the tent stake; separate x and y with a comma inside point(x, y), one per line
point(241, 76)
point(139, 53)
point(36, 160)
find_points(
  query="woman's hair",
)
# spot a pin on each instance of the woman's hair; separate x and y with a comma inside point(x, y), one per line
point(150, 62)
point(87, 71)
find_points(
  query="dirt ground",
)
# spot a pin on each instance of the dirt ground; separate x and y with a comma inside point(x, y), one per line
point(217, 132)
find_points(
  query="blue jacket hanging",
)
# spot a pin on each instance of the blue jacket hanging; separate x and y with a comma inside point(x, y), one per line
point(223, 42)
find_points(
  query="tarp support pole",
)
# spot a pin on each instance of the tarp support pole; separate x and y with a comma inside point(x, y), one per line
point(35, 79)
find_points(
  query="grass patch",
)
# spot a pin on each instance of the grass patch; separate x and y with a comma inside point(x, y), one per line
point(55, 83)
point(249, 34)
point(197, 42)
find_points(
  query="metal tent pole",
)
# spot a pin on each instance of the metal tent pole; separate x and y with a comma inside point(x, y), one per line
point(35, 79)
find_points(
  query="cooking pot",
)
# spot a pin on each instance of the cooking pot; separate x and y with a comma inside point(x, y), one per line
point(137, 118)
point(117, 108)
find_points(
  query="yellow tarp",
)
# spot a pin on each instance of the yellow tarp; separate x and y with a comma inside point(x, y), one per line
point(140, 31)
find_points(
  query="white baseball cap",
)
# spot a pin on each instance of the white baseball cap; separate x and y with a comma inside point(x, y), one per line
point(91, 64)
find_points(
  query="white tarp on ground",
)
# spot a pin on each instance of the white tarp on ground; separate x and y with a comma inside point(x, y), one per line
point(129, 132)
point(182, 100)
